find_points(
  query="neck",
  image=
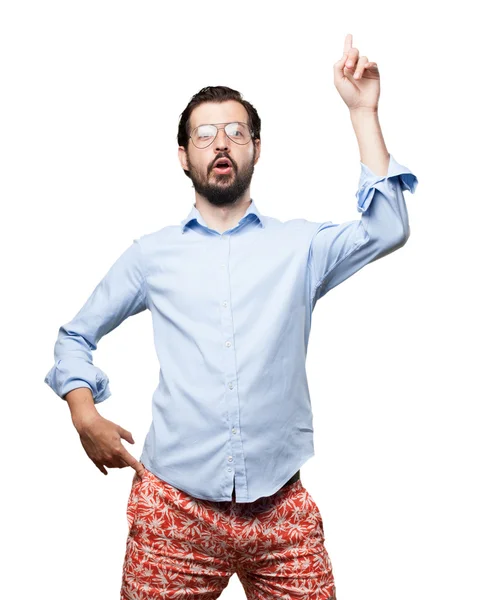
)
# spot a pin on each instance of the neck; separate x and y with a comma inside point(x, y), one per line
point(223, 218)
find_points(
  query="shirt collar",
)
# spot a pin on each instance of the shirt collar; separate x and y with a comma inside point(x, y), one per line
point(195, 214)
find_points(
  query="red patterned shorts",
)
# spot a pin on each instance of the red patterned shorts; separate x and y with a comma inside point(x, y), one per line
point(180, 547)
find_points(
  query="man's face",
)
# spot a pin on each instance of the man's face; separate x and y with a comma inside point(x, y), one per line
point(220, 189)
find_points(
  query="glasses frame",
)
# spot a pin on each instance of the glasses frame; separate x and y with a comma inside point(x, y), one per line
point(217, 130)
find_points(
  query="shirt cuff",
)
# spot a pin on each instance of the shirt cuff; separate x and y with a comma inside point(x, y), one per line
point(368, 182)
point(69, 374)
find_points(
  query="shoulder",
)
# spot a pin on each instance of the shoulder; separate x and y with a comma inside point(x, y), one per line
point(151, 241)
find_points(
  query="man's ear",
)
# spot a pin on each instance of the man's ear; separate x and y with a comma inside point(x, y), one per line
point(257, 144)
point(182, 158)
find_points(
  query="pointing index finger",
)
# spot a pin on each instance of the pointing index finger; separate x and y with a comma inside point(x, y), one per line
point(348, 43)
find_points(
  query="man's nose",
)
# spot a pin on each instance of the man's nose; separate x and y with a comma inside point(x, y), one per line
point(222, 140)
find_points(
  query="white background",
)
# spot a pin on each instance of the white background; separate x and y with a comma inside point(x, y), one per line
point(90, 102)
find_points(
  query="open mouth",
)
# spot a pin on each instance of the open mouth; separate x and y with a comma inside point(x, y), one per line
point(222, 167)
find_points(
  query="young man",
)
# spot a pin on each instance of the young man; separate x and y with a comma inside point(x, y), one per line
point(217, 489)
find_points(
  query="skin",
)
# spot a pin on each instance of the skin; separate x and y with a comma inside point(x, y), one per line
point(221, 199)
point(357, 79)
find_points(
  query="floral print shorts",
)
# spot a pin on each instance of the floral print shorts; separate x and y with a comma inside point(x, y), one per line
point(179, 546)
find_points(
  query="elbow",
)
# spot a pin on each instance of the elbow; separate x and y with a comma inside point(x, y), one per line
point(397, 241)
point(403, 237)
point(396, 237)
point(384, 245)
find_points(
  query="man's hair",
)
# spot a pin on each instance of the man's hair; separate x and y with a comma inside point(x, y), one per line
point(218, 94)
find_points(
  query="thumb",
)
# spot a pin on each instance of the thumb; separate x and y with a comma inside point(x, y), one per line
point(126, 435)
point(339, 65)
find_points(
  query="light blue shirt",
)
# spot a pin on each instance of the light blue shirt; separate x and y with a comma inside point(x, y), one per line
point(231, 316)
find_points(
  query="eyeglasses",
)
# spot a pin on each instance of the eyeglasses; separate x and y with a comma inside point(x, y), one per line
point(204, 135)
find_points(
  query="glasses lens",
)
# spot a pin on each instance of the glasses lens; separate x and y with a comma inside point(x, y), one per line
point(203, 135)
point(238, 132)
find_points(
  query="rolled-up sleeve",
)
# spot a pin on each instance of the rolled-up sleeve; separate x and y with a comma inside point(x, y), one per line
point(120, 294)
point(340, 250)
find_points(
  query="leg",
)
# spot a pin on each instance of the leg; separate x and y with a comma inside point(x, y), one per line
point(281, 553)
point(175, 548)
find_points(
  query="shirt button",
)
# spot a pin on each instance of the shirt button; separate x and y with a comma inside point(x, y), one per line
point(229, 468)
point(225, 303)
point(231, 385)
point(230, 458)
point(233, 430)
point(228, 344)
point(222, 265)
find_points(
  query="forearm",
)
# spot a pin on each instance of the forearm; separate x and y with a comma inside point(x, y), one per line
point(372, 148)
point(82, 407)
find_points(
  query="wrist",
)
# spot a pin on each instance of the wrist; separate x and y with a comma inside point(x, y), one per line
point(83, 419)
point(82, 407)
point(363, 112)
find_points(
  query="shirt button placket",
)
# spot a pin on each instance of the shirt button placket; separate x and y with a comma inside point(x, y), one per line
point(230, 374)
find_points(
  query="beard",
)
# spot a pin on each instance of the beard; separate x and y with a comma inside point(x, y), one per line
point(222, 190)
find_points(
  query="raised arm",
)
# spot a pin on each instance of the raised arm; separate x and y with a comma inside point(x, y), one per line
point(339, 250)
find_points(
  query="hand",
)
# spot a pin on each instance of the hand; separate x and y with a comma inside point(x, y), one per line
point(101, 440)
point(358, 85)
